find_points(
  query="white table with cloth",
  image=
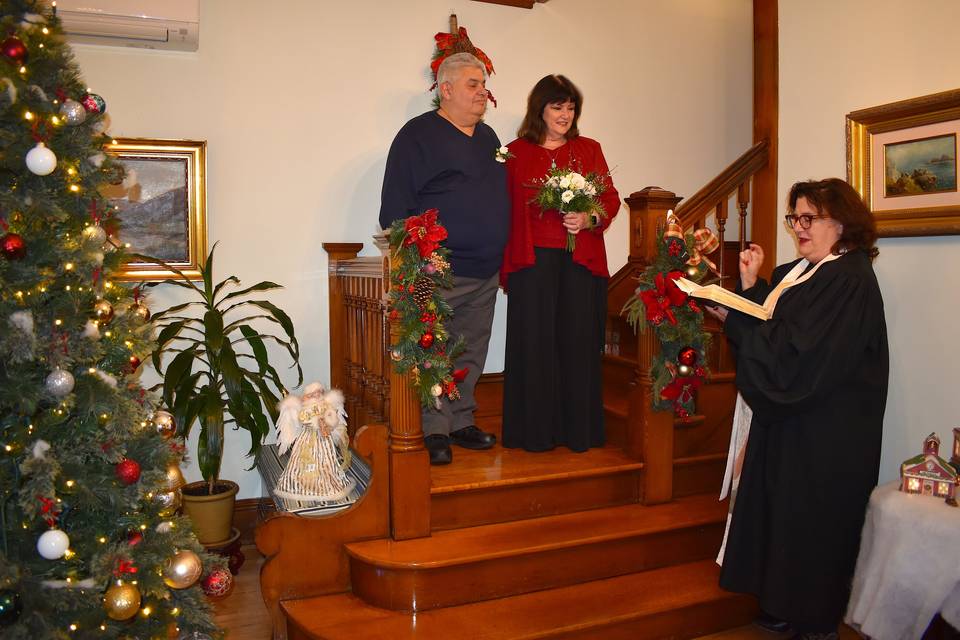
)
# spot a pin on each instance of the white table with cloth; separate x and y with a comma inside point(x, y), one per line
point(909, 566)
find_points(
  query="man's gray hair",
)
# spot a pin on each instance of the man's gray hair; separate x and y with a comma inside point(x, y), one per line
point(451, 66)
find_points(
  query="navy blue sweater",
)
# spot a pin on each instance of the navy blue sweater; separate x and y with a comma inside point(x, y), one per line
point(432, 164)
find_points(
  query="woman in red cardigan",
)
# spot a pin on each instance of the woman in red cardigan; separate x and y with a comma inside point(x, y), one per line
point(557, 299)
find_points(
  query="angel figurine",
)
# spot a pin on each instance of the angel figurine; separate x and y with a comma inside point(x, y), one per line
point(316, 427)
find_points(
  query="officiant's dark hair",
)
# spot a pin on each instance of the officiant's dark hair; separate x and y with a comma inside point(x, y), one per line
point(836, 198)
point(549, 90)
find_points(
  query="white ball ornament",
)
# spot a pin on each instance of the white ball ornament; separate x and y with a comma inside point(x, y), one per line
point(53, 544)
point(59, 382)
point(40, 160)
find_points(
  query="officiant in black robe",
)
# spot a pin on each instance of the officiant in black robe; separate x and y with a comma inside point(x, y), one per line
point(815, 376)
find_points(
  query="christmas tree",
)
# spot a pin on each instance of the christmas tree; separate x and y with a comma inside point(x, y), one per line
point(90, 544)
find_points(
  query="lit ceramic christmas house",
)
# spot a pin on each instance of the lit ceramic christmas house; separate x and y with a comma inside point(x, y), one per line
point(955, 458)
point(928, 473)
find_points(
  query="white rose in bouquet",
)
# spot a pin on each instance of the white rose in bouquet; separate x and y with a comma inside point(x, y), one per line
point(553, 182)
point(565, 182)
point(589, 189)
point(566, 196)
point(577, 181)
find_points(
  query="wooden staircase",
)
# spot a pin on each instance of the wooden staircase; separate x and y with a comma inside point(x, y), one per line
point(616, 542)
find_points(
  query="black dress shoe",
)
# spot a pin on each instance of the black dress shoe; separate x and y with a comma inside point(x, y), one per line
point(472, 438)
point(771, 624)
point(438, 446)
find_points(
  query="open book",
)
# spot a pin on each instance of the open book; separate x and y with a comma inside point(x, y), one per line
point(718, 294)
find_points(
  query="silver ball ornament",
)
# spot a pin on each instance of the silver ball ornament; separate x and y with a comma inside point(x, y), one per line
point(94, 235)
point(59, 382)
point(40, 160)
point(73, 112)
point(166, 426)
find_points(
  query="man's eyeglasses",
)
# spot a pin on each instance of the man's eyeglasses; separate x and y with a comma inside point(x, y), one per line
point(805, 220)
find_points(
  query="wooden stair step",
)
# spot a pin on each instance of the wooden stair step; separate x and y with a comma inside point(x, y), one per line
point(500, 485)
point(492, 561)
point(677, 602)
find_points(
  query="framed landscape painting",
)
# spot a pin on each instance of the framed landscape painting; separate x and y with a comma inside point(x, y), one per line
point(902, 159)
point(161, 205)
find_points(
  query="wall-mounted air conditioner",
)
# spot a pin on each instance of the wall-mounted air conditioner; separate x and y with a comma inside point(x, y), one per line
point(148, 24)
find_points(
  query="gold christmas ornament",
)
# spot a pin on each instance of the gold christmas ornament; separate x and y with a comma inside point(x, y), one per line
point(165, 424)
point(140, 311)
point(122, 600)
point(169, 502)
point(175, 478)
point(103, 311)
point(182, 570)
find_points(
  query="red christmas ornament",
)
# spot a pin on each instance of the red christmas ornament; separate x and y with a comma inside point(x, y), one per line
point(134, 538)
point(128, 471)
point(134, 363)
point(218, 583)
point(14, 49)
point(426, 340)
point(13, 246)
point(687, 356)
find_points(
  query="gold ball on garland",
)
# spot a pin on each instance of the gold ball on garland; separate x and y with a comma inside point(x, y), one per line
point(122, 600)
point(140, 311)
point(169, 502)
point(165, 424)
point(684, 370)
point(687, 356)
point(103, 311)
point(182, 569)
point(218, 583)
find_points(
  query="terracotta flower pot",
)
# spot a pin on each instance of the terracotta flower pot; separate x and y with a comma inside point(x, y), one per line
point(212, 514)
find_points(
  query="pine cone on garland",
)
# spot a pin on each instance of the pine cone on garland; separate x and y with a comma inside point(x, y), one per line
point(423, 291)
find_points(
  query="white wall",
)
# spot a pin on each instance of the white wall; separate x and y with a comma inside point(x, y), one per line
point(299, 101)
point(837, 57)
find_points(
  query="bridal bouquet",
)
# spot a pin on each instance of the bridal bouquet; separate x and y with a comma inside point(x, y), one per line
point(567, 191)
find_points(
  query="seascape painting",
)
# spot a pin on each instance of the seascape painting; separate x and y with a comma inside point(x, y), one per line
point(154, 206)
point(917, 167)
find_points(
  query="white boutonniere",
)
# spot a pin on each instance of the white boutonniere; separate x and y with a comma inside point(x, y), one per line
point(502, 154)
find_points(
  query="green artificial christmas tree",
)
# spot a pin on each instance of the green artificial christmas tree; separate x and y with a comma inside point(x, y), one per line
point(90, 545)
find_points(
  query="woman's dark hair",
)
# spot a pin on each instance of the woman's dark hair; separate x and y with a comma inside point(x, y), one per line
point(840, 201)
point(550, 90)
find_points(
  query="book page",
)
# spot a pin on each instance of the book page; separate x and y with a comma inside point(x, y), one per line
point(718, 294)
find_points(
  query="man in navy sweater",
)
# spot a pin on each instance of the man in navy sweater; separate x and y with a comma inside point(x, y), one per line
point(446, 159)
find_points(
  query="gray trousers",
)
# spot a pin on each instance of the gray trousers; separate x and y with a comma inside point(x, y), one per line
point(473, 301)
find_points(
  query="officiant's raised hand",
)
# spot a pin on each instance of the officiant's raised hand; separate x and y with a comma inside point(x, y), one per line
point(750, 261)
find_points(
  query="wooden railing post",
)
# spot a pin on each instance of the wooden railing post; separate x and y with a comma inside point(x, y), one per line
point(650, 433)
point(338, 331)
point(409, 461)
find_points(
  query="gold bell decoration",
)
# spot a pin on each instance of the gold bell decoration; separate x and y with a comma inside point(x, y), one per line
point(182, 569)
point(169, 502)
point(175, 478)
point(121, 600)
point(165, 424)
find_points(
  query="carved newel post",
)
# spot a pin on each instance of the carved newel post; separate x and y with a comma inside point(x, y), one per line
point(409, 461)
point(651, 431)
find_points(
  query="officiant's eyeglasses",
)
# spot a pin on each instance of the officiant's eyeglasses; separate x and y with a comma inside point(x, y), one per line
point(805, 220)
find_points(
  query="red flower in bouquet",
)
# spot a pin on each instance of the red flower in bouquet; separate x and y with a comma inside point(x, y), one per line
point(663, 297)
point(424, 231)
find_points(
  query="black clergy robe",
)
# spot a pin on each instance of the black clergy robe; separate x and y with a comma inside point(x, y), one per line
point(815, 375)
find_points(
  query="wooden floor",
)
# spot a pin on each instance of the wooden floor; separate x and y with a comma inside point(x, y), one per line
point(243, 615)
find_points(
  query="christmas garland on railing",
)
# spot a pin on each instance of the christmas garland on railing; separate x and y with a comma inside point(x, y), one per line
point(418, 269)
point(677, 319)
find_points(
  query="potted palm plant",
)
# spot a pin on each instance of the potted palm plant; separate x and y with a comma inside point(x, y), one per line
point(220, 375)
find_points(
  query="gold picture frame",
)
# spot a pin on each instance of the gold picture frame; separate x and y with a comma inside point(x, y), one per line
point(906, 199)
point(162, 205)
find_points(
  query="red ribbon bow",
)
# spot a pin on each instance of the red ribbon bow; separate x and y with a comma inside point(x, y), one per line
point(424, 232)
point(124, 566)
point(48, 510)
point(663, 297)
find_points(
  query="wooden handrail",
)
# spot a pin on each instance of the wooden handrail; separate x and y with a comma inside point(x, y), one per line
point(697, 206)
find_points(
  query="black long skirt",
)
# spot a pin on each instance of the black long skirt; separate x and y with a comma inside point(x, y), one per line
point(556, 314)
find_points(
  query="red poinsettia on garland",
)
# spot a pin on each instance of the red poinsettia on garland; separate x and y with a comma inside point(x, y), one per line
point(457, 41)
point(419, 268)
point(678, 370)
